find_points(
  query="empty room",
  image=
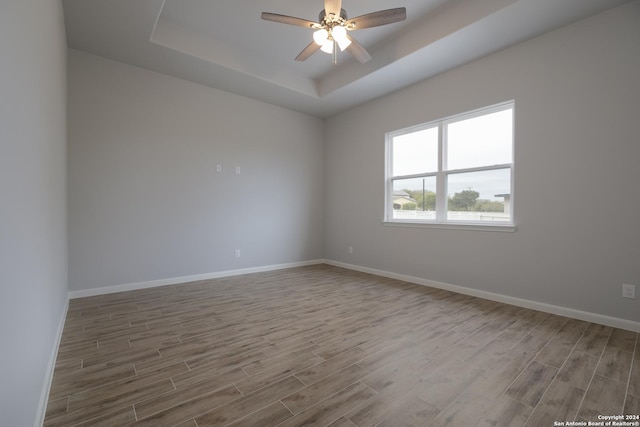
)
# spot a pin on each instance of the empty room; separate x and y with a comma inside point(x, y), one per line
point(319, 213)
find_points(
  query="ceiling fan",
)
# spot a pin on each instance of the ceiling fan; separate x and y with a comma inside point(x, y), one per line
point(332, 30)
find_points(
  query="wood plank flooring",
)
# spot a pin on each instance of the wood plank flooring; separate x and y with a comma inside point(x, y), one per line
point(324, 346)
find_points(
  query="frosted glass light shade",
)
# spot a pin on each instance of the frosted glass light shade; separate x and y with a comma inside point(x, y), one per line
point(339, 34)
point(327, 46)
point(320, 36)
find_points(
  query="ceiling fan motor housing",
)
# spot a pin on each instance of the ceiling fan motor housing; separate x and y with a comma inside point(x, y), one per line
point(338, 20)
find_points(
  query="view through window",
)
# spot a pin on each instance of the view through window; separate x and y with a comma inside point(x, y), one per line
point(454, 170)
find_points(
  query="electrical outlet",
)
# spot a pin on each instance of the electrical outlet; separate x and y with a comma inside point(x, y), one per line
point(237, 253)
point(219, 168)
point(350, 249)
point(237, 170)
point(629, 291)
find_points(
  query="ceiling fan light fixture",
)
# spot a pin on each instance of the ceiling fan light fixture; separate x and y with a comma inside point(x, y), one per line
point(320, 36)
point(339, 34)
point(327, 46)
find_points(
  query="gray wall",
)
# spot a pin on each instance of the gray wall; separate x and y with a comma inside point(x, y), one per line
point(145, 199)
point(33, 233)
point(577, 148)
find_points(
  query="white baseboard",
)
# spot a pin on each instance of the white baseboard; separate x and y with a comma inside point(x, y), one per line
point(520, 302)
point(44, 394)
point(185, 279)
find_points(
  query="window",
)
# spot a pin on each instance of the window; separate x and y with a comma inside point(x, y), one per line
point(454, 171)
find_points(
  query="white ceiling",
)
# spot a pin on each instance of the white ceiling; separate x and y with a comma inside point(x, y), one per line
point(225, 44)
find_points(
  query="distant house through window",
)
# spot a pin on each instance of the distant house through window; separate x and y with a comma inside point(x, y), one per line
point(403, 200)
point(457, 170)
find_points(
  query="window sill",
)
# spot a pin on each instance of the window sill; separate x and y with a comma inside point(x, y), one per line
point(509, 228)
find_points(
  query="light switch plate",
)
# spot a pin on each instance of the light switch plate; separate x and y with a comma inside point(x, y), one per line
point(628, 291)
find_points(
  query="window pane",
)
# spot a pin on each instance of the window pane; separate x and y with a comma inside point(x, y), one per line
point(479, 196)
point(480, 141)
point(414, 198)
point(415, 152)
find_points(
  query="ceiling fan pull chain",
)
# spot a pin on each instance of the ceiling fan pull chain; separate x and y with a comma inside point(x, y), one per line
point(334, 60)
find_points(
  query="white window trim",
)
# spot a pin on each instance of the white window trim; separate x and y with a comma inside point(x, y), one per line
point(441, 174)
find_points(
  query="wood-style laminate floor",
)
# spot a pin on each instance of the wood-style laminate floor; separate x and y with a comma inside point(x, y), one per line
point(319, 346)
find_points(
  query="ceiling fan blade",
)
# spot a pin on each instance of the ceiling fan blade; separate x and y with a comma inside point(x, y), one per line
point(332, 6)
point(284, 19)
point(375, 19)
point(358, 52)
point(312, 48)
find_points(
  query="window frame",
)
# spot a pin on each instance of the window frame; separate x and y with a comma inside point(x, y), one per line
point(442, 173)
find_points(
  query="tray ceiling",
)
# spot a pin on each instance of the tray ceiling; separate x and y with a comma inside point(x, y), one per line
point(225, 45)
